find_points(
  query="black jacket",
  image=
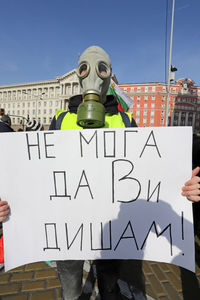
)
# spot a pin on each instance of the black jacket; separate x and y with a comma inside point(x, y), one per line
point(4, 127)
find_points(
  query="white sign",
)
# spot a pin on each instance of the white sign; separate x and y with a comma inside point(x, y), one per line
point(97, 194)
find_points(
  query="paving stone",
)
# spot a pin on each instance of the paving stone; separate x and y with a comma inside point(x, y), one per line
point(171, 292)
point(52, 283)
point(19, 269)
point(45, 273)
point(197, 270)
point(156, 286)
point(180, 295)
point(33, 285)
point(7, 289)
point(164, 267)
point(150, 292)
point(5, 277)
point(22, 276)
point(58, 293)
point(160, 275)
point(175, 280)
point(16, 297)
point(146, 267)
point(175, 269)
point(36, 266)
point(48, 295)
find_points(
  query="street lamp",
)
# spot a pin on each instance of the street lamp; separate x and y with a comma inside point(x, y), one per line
point(170, 66)
point(36, 106)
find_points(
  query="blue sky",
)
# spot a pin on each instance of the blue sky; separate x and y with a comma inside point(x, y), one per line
point(42, 39)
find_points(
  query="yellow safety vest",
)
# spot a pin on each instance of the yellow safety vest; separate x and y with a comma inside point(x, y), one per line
point(111, 120)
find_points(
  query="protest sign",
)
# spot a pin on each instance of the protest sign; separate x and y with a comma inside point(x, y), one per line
point(97, 194)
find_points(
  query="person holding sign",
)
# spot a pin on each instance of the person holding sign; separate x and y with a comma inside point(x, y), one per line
point(93, 109)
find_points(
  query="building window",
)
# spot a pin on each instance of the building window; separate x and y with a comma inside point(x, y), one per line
point(144, 120)
point(145, 105)
point(145, 97)
point(152, 113)
point(139, 89)
point(137, 120)
point(50, 103)
point(68, 89)
point(153, 88)
point(145, 112)
point(153, 97)
point(51, 92)
point(163, 97)
point(152, 120)
point(44, 111)
point(138, 97)
point(44, 120)
point(146, 89)
point(152, 104)
point(137, 112)
point(138, 104)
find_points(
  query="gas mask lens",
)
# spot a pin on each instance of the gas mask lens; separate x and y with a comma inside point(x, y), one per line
point(83, 70)
point(103, 71)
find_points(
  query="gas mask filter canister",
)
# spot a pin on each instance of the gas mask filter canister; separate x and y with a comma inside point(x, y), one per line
point(94, 72)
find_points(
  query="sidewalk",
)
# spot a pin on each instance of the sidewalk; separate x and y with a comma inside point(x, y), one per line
point(38, 281)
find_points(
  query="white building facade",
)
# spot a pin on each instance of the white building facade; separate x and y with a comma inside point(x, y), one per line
point(38, 100)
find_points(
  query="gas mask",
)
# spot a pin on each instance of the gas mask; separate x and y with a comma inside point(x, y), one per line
point(94, 72)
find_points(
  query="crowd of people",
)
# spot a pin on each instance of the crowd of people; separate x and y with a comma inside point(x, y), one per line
point(94, 72)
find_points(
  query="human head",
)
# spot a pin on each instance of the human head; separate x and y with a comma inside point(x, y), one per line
point(94, 72)
point(6, 119)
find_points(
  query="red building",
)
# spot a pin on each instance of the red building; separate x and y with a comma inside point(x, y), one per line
point(150, 100)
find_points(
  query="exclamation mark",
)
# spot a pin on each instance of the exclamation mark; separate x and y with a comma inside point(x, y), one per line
point(182, 227)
